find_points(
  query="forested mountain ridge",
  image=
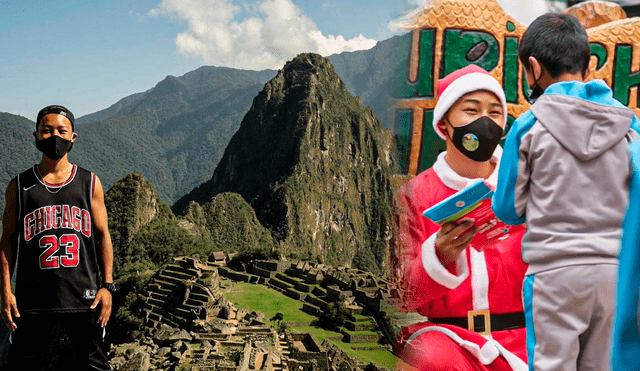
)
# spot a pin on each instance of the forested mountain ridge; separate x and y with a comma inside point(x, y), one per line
point(146, 234)
point(176, 132)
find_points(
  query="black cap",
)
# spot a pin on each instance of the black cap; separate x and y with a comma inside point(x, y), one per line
point(57, 109)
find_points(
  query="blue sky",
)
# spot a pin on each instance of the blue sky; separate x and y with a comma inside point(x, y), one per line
point(90, 54)
point(87, 55)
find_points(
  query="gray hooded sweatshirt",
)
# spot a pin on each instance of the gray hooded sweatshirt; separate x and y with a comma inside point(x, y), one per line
point(568, 163)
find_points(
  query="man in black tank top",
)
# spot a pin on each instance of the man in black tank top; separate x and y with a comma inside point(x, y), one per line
point(56, 240)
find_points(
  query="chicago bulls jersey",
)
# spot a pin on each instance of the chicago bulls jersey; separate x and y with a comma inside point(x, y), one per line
point(56, 266)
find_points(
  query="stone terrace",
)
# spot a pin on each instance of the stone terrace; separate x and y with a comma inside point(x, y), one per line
point(317, 285)
point(191, 323)
point(180, 293)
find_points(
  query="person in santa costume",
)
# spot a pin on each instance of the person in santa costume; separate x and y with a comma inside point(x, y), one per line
point(472, 298)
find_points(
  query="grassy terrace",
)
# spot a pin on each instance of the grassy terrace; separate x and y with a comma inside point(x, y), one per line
point(319, 333)
point(297, 279)
point(359, 332)
point(261, 298)
point(380, 357)
point(360, 317)
point(268, 301)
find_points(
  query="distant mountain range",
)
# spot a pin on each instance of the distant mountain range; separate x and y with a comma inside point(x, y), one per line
point(176, 133)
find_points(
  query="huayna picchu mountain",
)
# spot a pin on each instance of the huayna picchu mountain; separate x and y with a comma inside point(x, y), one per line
point(315, 164)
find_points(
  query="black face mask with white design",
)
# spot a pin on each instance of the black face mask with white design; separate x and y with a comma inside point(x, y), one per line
point(478, 139)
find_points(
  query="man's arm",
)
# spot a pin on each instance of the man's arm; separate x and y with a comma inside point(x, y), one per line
point(104, 249)
point(9, 230)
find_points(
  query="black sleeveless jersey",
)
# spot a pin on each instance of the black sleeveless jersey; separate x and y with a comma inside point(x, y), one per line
point(56, 261)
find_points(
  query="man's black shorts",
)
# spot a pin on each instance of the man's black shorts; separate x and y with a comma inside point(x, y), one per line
point(38, 335)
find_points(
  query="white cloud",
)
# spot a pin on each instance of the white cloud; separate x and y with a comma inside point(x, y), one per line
point(524, 11)
point(410, 9)
point(251, 35)
point(418, 3)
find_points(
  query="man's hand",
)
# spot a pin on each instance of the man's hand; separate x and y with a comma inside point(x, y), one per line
point(103, 297)
point(9, 311)
point(452, 239)
point(9, 233)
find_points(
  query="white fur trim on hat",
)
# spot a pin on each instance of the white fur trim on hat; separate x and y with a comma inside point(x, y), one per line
point(463, 85)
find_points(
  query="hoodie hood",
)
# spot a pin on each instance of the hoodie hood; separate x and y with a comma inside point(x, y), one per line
point(583, 117)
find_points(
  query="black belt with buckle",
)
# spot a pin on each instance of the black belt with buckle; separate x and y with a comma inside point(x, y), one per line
point(483, 322)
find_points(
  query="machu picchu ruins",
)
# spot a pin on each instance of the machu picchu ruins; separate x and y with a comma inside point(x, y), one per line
point(190, 324)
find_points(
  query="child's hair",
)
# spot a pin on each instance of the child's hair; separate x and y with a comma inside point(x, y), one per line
point(558, 42)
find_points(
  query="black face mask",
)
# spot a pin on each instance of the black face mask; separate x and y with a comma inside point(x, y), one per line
point(477, 139)
point(535, 91)
point(54, 147)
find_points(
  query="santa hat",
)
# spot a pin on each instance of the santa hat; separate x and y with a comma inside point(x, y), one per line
point(460, 82)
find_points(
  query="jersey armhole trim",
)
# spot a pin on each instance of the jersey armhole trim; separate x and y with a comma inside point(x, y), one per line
point(93, 185)
point(19, 203)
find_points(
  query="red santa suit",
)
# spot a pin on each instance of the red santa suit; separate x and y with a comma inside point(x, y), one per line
point(490, 280)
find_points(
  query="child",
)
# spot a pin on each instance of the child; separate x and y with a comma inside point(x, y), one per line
point(472, 298)
point(565, 172)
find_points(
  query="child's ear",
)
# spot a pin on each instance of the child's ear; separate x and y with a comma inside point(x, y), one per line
point(536, 68)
